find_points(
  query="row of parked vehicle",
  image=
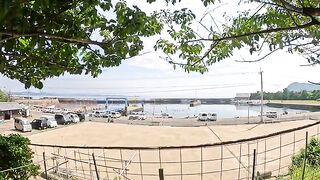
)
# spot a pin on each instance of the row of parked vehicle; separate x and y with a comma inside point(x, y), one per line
point(46, 121)
point(105, 114)
point(137, 116)
point(207, 117)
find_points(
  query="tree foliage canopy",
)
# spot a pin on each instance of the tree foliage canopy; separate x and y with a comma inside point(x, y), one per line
point(41, 38)
point(288, 95)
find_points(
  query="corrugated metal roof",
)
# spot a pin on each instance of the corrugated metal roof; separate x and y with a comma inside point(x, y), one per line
point(7, 106)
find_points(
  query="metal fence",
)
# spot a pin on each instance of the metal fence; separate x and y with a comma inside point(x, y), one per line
point(267, 155)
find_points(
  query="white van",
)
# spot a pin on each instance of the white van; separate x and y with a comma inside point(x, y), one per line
point(50, 120)
point(22, 124)
point(74, 118)
point(203, 116)
point(212, 116)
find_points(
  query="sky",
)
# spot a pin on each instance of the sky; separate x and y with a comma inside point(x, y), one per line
point(150, 76)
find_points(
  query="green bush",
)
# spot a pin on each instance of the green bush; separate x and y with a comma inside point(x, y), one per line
point(312, 170)
point(14, 152)
point(313, 155)
point(4, 97)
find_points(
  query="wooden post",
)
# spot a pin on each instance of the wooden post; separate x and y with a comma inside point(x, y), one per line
point(280, 154)
point(305, 157)
point(201, 163)
point(140, 165)
point(254, 164)
point(239, 173)
point(95, 166)
point(161, 176)
point(180, 164)
point(221, 163)
point(45, 165)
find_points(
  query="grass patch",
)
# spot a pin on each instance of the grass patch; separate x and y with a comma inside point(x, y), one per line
point(311, 173)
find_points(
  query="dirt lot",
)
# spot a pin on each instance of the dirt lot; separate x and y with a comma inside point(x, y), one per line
point(270, 156)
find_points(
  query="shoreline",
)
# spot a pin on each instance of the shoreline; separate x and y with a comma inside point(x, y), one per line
point(193, 122)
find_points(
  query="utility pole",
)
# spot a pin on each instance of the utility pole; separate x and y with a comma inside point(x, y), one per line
point(28, 98)
point(248, 112)
point(261, 94)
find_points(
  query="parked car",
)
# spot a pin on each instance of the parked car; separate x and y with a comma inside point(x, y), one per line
point(74, 118)
point(106, 114)
point(133, 116)
point(22, 124)
point(62, 118)
point(212, 116)
point(39, 124)
point(98, 113)
point(166, 115)
point(115, 114)
point(203, 117)
point(272, 114)
point(82, 116)
point(50, 121)
point(142, 116)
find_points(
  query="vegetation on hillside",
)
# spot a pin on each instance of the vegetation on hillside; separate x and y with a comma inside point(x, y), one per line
point(288, 95)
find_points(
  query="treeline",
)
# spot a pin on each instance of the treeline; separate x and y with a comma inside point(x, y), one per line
point(288, 95)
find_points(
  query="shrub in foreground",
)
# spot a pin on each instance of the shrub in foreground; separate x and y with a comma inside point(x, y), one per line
point(312, 170)
point(15, 153)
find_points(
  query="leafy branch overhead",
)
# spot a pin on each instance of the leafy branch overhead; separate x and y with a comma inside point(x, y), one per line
point(264, 28)
point(40, 39)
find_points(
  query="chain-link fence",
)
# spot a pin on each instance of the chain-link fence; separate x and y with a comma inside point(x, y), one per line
point(267, 155)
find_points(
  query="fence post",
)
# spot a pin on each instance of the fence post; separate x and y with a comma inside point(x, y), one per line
point(95, 166)
point(265, 155)
point(201, 163)
point(221, 165)
point(45, 165)
point(140, 165)
point(305, 156)
point(248, 160)
point(280, 154)
point(294, 143)
point(180, 164)
point(161, 176)
point(240, 155)
point(254, 164)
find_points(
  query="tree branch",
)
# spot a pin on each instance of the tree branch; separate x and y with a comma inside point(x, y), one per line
point(266, 31)
point(257, 60)
point(15, 35)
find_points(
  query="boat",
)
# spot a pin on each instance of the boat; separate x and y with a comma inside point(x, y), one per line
point(195, 103)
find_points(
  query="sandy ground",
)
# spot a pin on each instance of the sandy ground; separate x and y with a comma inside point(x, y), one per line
point(110, 134)
point(237, 158)
point(234, 155)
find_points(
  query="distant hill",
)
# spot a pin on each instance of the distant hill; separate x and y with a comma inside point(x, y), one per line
point(302, 86)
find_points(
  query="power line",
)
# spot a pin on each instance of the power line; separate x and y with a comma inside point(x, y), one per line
point(145, 87)
point(164, 78)
point(181, 90)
